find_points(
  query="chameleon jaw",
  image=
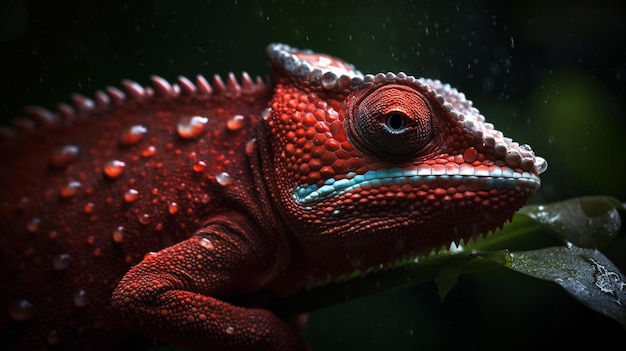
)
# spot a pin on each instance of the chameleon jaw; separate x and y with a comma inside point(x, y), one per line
point(482, 177)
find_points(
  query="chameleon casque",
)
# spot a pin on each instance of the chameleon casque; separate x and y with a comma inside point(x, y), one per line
point(172, 210)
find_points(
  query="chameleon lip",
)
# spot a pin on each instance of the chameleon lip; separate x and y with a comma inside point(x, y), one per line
point(493, 177)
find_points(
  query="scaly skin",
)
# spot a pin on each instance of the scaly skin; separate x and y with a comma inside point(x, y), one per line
point(173, 210)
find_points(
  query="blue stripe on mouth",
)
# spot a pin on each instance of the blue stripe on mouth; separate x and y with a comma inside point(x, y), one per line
point(506, 178)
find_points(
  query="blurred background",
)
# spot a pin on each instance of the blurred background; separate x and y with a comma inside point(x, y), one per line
point(550, 74)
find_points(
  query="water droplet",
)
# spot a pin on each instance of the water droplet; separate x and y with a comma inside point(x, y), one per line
point(70, 189)
point(89, 207)
point(541, 164)
point(118, 234)
point(199, 166)
point(173, 207)
point(131, 195)
point(192, 127)
point(133, 135)
point(235, 122)
point(144, 218)
point(230, 330)
point(64, 156)
point(250, 146)
point(266, 113)
point(224, 179)
point(207, 244)
point(205, 198)
point(33, 225)
point(114, 168)
point(80, 298)
point(62, 261)
point(21, 310)
point(149, 151)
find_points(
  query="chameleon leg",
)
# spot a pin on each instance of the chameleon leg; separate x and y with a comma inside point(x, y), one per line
point(172, 295)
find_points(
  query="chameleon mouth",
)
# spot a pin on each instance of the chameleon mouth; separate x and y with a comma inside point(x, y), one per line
point(478, 178)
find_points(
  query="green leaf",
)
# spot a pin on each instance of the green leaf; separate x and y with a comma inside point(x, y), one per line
point(590, 222)
point(586, 274)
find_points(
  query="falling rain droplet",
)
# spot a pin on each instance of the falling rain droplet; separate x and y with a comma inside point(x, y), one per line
point(70, 189)
point(64, 156)
point(60, 262)
point(235, 122)
point(192, 127)
point(118, 234)
point(133, 135)
point(21, 310)
point(80, 298)
point(131, 195)
point(223, 179)
point(114, 168)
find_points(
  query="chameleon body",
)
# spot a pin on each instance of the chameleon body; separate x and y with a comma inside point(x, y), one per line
point(174, 210)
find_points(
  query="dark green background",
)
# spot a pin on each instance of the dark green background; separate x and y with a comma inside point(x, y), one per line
point(547, 74)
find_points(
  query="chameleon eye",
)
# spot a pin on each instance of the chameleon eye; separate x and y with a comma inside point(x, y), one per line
point(392, 120)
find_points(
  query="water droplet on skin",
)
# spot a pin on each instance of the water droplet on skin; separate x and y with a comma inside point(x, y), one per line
point(21, 310)
point(191, 127)
point(266, 113)
point(173, 207)
point(114, 168)
point(235, 122)
point(250, 146)
point(149, 151)
point(199, 166)
point(89, 207)
point(144, 218)
point(80, 298)
point(230, 330)
point(118, 234)
point(224, 179)
point(60, 262)
point(131, 195)
point(64, 156)
point(133, 135)
point(205, 198)
point(70, 189)
point(33, 225)
point(207, 244)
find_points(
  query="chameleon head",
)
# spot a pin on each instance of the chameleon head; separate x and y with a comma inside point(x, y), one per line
point(386, 159)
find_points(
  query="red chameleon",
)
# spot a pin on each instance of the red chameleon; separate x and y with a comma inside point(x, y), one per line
point(172, 210)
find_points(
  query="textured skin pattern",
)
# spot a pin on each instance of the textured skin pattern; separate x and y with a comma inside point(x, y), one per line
point(172, 210)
